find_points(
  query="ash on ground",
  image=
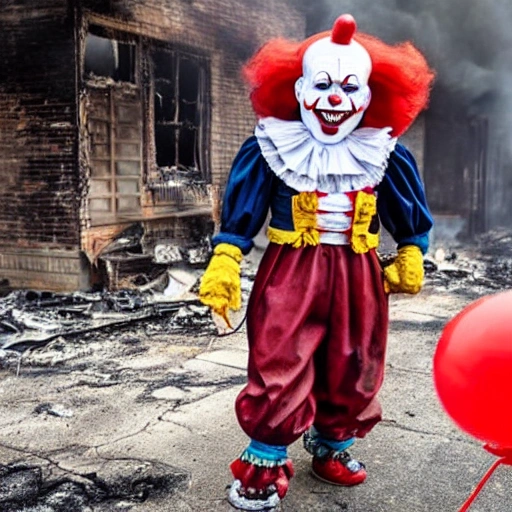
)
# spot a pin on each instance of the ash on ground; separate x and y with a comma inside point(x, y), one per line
point(483, 267)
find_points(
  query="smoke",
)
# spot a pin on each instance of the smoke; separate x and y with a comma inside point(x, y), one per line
point(467, 42)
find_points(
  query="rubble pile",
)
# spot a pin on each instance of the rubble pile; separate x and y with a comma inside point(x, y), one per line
point(170, 304)
point(31, 319)
point(482, 267)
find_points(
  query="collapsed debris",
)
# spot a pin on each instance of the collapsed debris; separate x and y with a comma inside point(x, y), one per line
point(136, 257)
point(31, 319)
point(482, 267)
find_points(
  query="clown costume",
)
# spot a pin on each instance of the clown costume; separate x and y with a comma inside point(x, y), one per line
point(324, 159)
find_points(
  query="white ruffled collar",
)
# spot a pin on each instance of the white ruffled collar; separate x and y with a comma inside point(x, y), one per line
point(305, 164)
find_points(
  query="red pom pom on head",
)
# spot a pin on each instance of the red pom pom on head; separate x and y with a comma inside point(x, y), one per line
point(343, 29)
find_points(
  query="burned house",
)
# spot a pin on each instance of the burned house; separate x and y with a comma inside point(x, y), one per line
point(119, 120)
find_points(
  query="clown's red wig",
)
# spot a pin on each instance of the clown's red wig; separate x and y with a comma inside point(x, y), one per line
point(400, 81)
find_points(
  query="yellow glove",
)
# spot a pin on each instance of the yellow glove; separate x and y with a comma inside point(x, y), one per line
point(405, 274)
point(220, 285)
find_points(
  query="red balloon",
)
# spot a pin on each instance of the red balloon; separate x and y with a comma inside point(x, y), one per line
point(473, 369)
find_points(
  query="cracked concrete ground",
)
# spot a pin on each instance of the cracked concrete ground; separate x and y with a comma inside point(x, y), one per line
point(144, 422)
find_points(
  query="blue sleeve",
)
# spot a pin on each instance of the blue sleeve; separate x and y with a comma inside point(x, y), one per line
point(401, 201)
point(246, 198)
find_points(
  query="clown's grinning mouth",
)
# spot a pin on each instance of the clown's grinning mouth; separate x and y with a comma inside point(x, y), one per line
point(332, 117)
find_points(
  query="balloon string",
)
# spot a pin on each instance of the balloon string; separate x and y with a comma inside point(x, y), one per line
point(479, 487)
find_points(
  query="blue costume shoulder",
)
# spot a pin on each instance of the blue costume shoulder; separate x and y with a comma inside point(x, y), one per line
point(401, 203)
point(246, 198)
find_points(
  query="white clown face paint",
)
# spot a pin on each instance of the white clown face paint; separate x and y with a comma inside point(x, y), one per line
point(333, 92)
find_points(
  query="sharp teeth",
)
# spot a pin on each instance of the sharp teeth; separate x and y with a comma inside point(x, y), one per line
point(332, 118)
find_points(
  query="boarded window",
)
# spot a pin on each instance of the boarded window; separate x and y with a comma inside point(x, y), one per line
point(181, 110)
point(115, 129)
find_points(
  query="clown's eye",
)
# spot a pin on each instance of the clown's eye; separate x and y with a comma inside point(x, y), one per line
point(350, 88)
point(323, 85)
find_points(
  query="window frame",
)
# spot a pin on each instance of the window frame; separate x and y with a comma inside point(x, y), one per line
point(144, 85)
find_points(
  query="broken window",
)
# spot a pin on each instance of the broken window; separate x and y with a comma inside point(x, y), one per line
point(114, 124)
point(180, 110)
point(109, 58)
point(169, 151)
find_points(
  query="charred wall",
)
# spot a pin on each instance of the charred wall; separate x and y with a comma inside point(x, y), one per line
point(38, 155)
point(37, 125)
point(499, 181)
point(217, 37)
point(228, 31)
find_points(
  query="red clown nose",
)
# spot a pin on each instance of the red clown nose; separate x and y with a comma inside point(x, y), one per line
point(343, 29)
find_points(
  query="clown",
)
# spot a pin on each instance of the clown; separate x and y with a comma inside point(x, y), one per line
point(325, 160)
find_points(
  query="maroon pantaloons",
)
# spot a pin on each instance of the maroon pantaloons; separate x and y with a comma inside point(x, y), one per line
point(317, 325)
